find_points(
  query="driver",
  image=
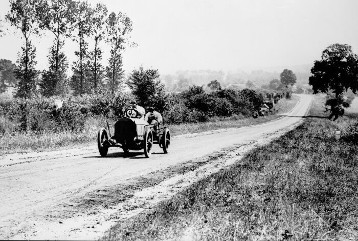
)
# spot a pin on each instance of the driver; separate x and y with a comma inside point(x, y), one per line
point(153, 117)
point(138, 108)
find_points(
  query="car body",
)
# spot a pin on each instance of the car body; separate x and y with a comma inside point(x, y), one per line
point(132, 133)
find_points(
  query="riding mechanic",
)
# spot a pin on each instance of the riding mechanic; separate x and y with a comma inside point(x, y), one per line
point(153, 118)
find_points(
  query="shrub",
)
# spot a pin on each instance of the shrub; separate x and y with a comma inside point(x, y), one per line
point(7, 126)
point(176, 113)
point(221, 107)
point(196, 116)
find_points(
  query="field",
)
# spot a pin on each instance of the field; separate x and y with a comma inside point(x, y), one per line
point(26, 142)
point(302, 186)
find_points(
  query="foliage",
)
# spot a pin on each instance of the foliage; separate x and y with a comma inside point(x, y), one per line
point(214, 85)
point(7, 76)
point(23, 15)
point(225, 102)
point(118, 28)
point(54, 81)
point(274, 84)
point(57, 17)
point(287, 77)
point(82, 24)
point(98, 32)
point(250, 99)
point(299, 89)
point(25, 72)
point(147, 88)
point(337, 71)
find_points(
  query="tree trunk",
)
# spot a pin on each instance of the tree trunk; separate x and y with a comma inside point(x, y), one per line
point(57, 48)
point(113, 75)
point(26, 80)
point(95, 64)
point(81, 66)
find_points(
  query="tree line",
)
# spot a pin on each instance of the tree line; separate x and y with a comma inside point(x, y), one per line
point(78, 21)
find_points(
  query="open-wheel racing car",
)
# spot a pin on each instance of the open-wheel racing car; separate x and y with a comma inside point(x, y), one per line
point(133, 133)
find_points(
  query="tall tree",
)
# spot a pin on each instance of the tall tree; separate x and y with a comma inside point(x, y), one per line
point(83, 27)
point(214, 85)
point(25, 72)
point(287, 77)
point(57, 17)
point(118, 28)
point(23, 15)
point(54, 81)
point(147, 88)
point(337, 71)
point(7, 76)
point(98, 32)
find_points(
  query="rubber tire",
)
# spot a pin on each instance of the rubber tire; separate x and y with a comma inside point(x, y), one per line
point(166, 140)
point(148, 143)
point(101, 137)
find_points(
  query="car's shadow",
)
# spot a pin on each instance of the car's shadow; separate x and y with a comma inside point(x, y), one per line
point(130, 155)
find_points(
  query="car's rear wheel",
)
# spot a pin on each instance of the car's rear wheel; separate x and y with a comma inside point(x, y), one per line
point(102, 141)
point(166, 140)
point(148, 142)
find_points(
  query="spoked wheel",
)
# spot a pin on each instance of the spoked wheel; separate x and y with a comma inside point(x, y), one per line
point(102, 140)
point(166, 140)
point(148, 142)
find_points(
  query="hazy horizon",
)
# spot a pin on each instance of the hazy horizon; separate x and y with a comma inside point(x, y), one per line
point(231, 35)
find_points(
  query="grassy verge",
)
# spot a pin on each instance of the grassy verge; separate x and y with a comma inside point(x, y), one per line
point(303, 186)
point(20, 142)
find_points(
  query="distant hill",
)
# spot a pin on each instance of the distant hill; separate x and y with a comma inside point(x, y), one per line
point(182, 79)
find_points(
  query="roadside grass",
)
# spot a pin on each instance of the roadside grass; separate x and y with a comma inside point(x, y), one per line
point(18, 142)
point(25, 142)
point(303, 186)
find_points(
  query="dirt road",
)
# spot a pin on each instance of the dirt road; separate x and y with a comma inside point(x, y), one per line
point(41, 193)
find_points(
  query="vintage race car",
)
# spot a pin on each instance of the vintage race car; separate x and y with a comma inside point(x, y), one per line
point(133, 133)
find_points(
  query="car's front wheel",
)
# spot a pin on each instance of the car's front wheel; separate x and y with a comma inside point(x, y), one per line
point(148, 142)
point(102, 140)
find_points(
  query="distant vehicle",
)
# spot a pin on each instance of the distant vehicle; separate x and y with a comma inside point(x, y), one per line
point(133, 133)
point(265, 109)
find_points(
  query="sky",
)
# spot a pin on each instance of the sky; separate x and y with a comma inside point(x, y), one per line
point(226, 35)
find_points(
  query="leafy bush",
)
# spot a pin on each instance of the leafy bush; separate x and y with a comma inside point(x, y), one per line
point(221, 107)
point(176, 113)
point(7, 126)
point(196, 116)
point(192, 105)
